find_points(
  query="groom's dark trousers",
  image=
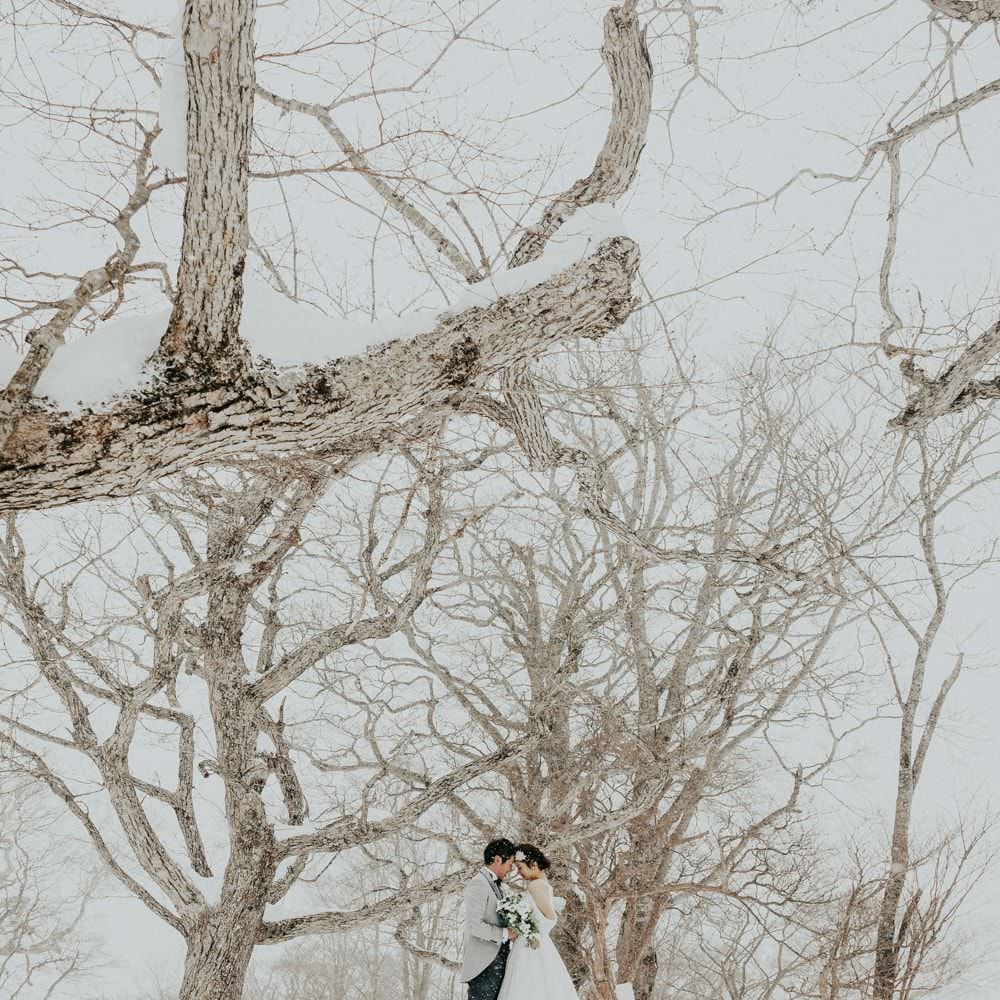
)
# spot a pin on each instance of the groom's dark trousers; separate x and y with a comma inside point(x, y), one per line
point(486, 986)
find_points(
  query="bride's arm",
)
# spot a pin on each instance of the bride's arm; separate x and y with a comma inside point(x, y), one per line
point(541, 893)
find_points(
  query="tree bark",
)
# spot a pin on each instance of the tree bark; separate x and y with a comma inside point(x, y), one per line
point(644, 979)
point(570, 935)
point(914, 745)
point(209, 401)
point(636, 951)
point(203, 334)
point(956, 388)
point(971, 11)
point(631, 72)
point(219, 948)
point(351, 407)
point(221, 939)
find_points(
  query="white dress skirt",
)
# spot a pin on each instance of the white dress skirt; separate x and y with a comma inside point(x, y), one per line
point(537, 973)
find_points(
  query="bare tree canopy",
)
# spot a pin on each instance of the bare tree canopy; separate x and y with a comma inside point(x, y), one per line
point(365, 494)
point(209, 400)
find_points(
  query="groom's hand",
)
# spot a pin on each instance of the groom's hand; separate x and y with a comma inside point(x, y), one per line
point(512, 935)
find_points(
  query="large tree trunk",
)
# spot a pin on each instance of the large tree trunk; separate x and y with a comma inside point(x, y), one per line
point(637, 960)
point(203, 333)
point(219, 951)
point(635, 953)
point(210, 402)
point(891, 933)
point(644, 981)
point(887, 943)
point(223, 938)
point(570, 936)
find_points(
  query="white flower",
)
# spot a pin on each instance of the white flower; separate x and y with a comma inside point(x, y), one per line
point(516, 912)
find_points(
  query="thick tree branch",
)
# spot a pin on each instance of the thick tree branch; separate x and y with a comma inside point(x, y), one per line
point(351, 407)
point(37, 767)
point(971, 11)
point(352, 831)
point(630, 70)
point(111, 756)
point(955, 389)
point(627, 60)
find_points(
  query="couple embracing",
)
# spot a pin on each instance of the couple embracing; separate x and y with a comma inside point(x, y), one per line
point(508, 952)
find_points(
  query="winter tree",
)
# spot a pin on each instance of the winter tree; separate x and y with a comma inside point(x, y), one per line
point(209, 397)
point(44, 949)
point(364, 492)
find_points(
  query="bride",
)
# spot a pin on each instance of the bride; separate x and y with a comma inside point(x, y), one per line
point(536, 973)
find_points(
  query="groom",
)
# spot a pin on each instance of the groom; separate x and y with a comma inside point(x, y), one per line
point(487, 944)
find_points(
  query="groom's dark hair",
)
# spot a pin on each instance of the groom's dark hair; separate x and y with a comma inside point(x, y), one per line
point(500, 848)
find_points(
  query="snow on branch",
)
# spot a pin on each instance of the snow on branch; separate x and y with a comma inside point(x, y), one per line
point(91, 371)
point(236, 369)
point(352, 405)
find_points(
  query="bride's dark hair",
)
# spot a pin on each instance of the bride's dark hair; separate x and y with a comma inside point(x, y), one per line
point(532, 855)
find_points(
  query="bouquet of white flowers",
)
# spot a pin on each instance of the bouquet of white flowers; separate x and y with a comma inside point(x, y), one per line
point(516, 912)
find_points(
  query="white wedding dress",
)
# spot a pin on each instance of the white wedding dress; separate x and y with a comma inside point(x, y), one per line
point(537, 973)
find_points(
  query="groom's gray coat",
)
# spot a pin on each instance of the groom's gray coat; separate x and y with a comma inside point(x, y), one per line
point(483, 933)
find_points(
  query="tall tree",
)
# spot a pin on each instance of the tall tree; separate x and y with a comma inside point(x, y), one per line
point(45, 951)
point(650, 650)
point(174, 658)
point(209, 398)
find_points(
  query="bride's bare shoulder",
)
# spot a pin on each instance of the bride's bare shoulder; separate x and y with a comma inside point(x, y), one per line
point(541, 892)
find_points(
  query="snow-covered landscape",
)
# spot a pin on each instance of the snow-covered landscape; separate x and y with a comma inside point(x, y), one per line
point(430, 424)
